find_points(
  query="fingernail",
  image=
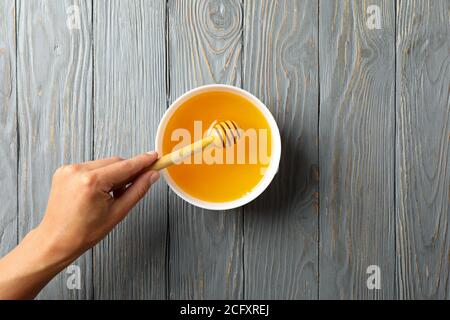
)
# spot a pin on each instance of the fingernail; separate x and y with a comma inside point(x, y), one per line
point(152, 153)
point(154, 176)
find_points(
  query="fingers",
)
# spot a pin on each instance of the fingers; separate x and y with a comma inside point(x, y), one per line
point(95, 164)
point(133, 194)
point(119, 173)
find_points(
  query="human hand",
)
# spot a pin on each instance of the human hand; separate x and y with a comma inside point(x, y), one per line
point(86, 201)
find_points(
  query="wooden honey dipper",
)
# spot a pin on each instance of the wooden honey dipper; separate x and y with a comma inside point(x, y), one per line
point(223, 134)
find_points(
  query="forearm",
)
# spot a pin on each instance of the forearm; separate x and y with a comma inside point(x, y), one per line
point(30, 266)
point(100, 194)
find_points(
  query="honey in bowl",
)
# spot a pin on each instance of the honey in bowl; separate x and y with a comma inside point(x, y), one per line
point(218, 175)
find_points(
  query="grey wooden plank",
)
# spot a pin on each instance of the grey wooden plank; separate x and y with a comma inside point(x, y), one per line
point(281, 227)
point(423, 149)
point(357, 143)
point(55, 112)
point(205, 41)
point(130, 98)
point(8, 127)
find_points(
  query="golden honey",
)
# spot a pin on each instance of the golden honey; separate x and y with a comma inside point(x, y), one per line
point(218, 175)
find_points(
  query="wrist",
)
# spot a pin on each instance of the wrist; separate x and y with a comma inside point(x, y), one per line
point(46, 251)
point(29, 267)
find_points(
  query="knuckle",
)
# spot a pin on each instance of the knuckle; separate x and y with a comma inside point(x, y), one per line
point(72, 168)
point(66, 169)
point(117, 159)
point(89, 179)
point(127, 165)
point(141, 192)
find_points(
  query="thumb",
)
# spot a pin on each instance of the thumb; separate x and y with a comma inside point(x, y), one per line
point(134, 193)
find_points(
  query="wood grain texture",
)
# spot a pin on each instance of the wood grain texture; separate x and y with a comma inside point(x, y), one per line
point(281, 226)
point(357, 143)
point(8, 127)
point(205, 246)
point(369, 109)
point(130, 98)
point(423, 149)
point(55, 112)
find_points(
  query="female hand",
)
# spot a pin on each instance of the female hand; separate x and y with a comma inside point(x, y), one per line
point(86, 201)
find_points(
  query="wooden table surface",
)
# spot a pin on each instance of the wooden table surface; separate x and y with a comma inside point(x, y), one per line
point(364, 115)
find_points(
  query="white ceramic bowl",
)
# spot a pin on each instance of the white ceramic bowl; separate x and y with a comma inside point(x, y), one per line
point(274, 159)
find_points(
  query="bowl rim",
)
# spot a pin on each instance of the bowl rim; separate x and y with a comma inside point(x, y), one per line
point(274, 159)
